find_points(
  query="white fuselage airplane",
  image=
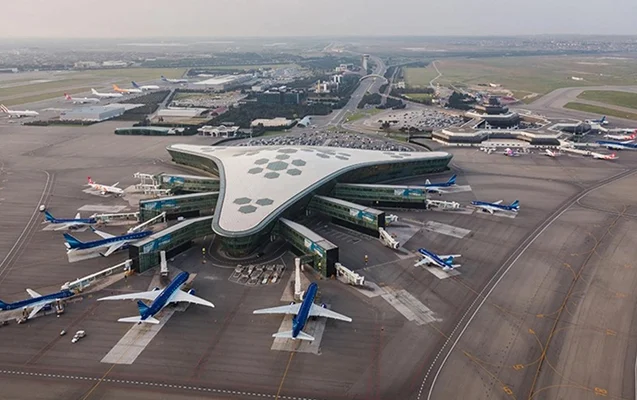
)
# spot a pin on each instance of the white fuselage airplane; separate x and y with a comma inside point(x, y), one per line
point(145, 87)
point(632, 136)
point(496, 206)
point(81, 100)
point(125, 91)
point(169, 80)
point(18, 113)
point(600, 156)
point(104, 189)
point(105, 95)
point(550, 153)
point(444, 262)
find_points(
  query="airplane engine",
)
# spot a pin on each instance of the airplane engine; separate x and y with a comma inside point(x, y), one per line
point(155, 288)
point(191, 291)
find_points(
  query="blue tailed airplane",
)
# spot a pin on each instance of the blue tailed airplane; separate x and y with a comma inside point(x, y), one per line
point(496, 206)
point(601, 121)
point(36, 302)
point(444, 262)
point(160, 299)
point(439, 187)
point(625, 145)
point(113, 242)
point(302, 312)
point(69, 223)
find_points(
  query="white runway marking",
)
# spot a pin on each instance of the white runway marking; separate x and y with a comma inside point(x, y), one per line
point(439, 273)
point(409, 306)
point(101, 208)
point(312, 328)
point(136, 339)
point(445, 229)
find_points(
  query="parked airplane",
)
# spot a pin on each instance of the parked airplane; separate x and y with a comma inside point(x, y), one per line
point(160, 299)
point(551, 153)
point(605, 156)
point(145, 87)
point(439, 187)
point(69, 223)
point(302, 312)
point(444, 262)
point(18, 113)
point(626, 145)
point(113, 242)
point(496, 206)
point(601, 121)
point(630, 137)
point(103, 189)
point(105, 95)
point(81, 100)
point(511, 153)
point(125, 91)
point(36, 302)
point(169, 80)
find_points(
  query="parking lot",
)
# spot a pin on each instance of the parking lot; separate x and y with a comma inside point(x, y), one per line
point(312, 138)
point(420, 119)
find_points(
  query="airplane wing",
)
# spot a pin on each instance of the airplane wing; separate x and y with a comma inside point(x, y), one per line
point(497, 202)
point(421, 262)
point(289, 309)
point(151, 296)
point(449, 255)
point(35, 310)
point(104, 235)
point(189, 298)
point(113, 249)
point(318, 311)
point(33, 293)
point(434, 190)
point(115, 184)
point(63, 227)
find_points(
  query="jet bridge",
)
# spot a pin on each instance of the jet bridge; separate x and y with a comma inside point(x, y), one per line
point(382, 195)
point(323, 253)
point(146, 252)
point(186, 205)
point(187, 183)
point(361, 218)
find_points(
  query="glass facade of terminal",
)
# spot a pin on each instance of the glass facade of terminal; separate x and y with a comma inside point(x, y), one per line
point(183, 205)
point(187, 183)
point(366, 218)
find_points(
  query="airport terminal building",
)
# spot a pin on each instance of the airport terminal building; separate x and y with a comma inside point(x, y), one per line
point(261, 190)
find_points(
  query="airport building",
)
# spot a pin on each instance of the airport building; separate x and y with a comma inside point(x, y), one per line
point(259, 185)
point(476, 137)
point(225, 82)
point(93, 113)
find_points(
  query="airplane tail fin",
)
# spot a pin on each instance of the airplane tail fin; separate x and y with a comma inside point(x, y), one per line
point(66, 96)
point(449, 260)
point(71, 242)
point(93, 91)
point(143, 308)
point(135, 85)
point(515, 204)
point(2, 304)
point(90, 180)
point(427, 182)
point(48, 216)
point(139, 320)
point(4, 109)
point(288, 335)
point(452, 180)
point(115, 87)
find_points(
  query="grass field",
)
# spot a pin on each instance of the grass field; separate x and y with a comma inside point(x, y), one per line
point(419, 77)
point(139, 74)
point(41, 96)
point(538, 74)
point(362, 114)
point(616, 98)
point(600, 110)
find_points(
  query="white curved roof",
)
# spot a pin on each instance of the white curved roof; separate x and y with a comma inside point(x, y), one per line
point(259, 182)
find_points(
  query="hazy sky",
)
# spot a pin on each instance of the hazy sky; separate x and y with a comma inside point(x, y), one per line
point(218, 18)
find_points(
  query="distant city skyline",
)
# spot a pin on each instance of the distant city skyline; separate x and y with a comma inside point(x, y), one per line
point(280, 18)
